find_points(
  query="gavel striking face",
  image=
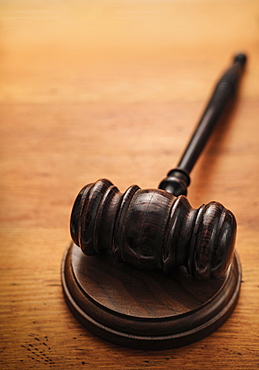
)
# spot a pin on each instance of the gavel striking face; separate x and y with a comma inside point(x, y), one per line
point(152, 229)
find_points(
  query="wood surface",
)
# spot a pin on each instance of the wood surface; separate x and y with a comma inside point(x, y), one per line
point(143, 309)
point(114, 89)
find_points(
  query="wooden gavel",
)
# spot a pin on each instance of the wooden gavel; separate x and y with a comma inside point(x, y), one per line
point(158, 229)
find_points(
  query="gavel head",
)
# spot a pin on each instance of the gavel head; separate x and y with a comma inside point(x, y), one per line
point(152, 229)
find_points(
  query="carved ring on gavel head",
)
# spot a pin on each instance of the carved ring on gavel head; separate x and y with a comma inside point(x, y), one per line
point(153, 229)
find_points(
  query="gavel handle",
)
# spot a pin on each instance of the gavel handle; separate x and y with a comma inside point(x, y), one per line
point(178, 179)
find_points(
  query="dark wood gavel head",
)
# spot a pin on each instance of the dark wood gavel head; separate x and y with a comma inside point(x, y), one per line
point(152, 229)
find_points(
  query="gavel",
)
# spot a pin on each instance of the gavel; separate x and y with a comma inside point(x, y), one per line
point(157, 228)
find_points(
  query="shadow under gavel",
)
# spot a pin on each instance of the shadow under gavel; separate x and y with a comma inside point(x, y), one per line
point(157, 228)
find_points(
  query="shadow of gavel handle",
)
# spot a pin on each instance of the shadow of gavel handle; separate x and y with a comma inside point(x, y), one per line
point(157, 228)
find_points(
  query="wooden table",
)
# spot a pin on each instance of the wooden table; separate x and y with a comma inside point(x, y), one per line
point(114, 89)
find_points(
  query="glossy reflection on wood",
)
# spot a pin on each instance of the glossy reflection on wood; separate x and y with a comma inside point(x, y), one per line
point(146, 309)
point(152, 229)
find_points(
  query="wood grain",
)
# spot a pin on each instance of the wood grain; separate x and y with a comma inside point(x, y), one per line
point(146, 310)
point(114, 89)
point(152, 229)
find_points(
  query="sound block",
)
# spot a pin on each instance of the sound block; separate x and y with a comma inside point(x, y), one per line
point(146, 309)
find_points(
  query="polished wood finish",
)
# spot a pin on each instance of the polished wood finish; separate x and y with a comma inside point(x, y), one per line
point(146, 310)
point(93, 89)
point(224, 93)
point(152, 229)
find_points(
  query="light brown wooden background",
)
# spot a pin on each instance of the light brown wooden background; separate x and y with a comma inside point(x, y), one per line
point(113, 89)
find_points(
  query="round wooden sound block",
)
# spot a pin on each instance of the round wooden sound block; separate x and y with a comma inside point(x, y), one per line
point(146, 309)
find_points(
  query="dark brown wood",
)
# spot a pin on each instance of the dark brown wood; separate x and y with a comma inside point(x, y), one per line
point(178, 178)
point(144, 309)
point(152, 229)
point(155, 230)
point(90, 89)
